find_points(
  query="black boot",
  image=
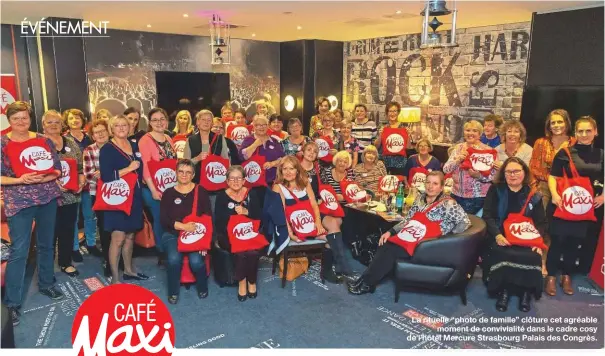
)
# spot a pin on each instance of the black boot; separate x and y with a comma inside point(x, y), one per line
point(327, 267)
point(360, 287)
point(338, 249)
point(525, 302)
point(502, 303)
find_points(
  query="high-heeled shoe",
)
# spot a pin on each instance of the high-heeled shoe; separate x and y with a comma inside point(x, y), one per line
point(173, 299)
point(242, 298)
point(525, 302)
point(361, 288)
point(355, 284)
point(502, 302)
point(202, 295)
point(252, 295)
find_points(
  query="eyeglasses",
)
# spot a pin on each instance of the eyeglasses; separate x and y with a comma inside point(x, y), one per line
point(516, 172)
point(101, 132)
point(185, 173)
point(235, 179)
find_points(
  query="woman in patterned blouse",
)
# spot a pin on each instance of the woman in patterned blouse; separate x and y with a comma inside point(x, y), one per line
point(556, 131)
point(293, 144)
point(67, 210)
point(370, 170)
point(323, 108)
point(470, 186)
point(348, 142)
point(31, 197)
point(452, 219)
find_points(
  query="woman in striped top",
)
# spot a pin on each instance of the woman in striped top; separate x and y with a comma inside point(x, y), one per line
point(364, 130)
point(369, 172)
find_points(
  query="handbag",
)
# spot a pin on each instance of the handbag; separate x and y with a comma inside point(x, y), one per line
point(325, 144)
point(394, 141)
point(329, 204)
point(30, 156)
point(576, 195)
point(296, 267)
point(300, 217)
point(520, 230)
point(201, 238)
point(214, 170)
point(254, 171)
point(69, 174)
point(480, 160)
point(145, 237)
point(116, 195)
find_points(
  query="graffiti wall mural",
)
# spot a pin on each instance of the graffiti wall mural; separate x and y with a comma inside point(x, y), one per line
point(484, 74)
point(121, 68)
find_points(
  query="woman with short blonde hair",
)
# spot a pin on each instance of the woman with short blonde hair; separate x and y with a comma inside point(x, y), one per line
point(470, 186)
point(368, 172)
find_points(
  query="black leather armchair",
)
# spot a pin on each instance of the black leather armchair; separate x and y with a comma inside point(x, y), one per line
point(444, 264)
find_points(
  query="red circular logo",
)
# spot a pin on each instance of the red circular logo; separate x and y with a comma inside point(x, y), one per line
point(123, 319)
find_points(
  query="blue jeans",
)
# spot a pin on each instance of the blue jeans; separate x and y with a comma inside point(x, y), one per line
point(175, 264)
point(154, 207)
point(20, 226)
point(470, 205)
point(90, 222)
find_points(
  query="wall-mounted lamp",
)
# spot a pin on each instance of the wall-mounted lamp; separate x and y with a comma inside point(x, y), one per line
point(333, 102)
point(289, 103)
point(410, 116)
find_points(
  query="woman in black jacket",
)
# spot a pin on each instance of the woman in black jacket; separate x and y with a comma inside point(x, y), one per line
point(508, 268)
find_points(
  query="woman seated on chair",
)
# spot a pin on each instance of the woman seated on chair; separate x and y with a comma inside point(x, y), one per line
point(370, 170)
point(238, 200)
point(431, 207)
point(176, 204)
point(508, 268)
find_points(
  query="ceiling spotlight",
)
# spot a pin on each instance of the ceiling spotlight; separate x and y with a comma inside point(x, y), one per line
point(398, 12)
point(299, 27)
point(254, 35)
point(185, 15)
point(148, 26)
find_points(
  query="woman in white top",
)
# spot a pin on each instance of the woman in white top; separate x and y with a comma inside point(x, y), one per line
point(513, 135)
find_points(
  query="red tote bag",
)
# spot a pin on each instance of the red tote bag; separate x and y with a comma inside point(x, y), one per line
point(255, 173)
point(352, 192)
point(394, 141)
point(301, 218)
point(325, 144)
point(389, 183)
point(163, 173)
point(214, 171)
point(244, 234)
point(237, 133)
point(480, 160)
point(418, 228)
point(576, 196)
point(520, 230)
point(30, 156)
point(179, 142)
point(116, 195)
point(329, 206)
point(69, 174)
point(417, 177)
point(201, 238)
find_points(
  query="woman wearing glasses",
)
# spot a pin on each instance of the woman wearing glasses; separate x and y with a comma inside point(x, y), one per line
point(177, 203)
point(156, 146)
point(265, 145)
point(509, 269)
point(238, 200)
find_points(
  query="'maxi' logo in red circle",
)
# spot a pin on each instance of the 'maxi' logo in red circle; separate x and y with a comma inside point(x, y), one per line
point(123, 319)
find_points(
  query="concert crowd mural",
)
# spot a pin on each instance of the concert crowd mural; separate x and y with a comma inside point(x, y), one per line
point(121, 68)
point(484, 74)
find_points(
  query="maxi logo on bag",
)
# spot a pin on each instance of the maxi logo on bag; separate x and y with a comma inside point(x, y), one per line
point(302, 221)
point(165, 178)
point(389, 183)
point(193, 237)
point(329, 199)
point(395, 143)
point(482, 161)
point(64, 173)
point(524, 231)
point(244, 231)
point(576, 200)
point(36, 158)
point(413, 231)
point(239, 134)
point(354, 192)
point(216, 172)
point(253, 171)
point(324, 147)
point(116, 192)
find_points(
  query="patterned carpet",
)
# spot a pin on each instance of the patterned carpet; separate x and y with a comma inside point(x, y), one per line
point(309, 314)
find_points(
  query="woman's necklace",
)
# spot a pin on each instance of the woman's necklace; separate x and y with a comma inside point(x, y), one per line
point(513, 154)
point(336, 175)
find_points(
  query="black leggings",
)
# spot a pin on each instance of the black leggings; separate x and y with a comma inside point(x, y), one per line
point(568, 247)
point(383, 262)
point(64, 232)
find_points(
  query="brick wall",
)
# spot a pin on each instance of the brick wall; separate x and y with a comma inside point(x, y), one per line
point(484, 74)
